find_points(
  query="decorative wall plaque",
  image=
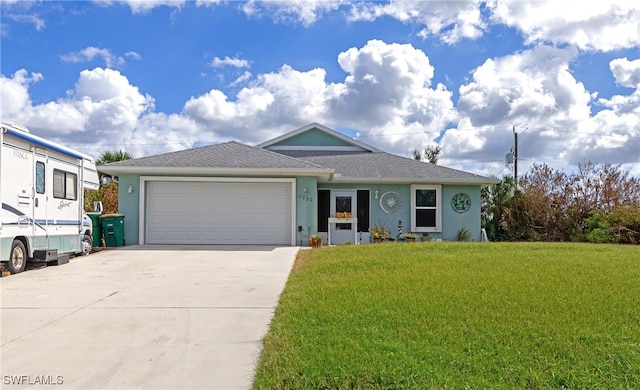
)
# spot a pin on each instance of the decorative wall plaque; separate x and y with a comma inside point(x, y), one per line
point(461, 203)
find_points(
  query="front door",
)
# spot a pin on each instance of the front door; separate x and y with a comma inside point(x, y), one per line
point(343, 202)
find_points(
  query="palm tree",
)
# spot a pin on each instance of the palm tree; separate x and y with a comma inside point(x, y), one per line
point(109, 156)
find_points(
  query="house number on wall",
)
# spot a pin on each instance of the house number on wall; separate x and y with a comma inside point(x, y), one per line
point(461, 203)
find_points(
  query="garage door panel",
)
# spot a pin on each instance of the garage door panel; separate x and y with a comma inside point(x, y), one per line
point(219, 213)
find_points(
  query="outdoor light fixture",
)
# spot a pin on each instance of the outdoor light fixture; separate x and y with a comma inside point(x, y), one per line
point(304, 191)
point(376, 194)
point(130, 189)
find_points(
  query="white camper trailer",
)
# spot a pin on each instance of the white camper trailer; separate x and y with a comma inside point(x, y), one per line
point(41, 188)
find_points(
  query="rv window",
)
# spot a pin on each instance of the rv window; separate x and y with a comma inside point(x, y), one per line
point(64, 185)
point(40, 177)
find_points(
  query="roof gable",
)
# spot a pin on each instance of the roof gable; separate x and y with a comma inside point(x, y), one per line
point(315, 136)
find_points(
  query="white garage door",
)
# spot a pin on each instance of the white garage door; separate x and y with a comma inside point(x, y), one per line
point(218, 213)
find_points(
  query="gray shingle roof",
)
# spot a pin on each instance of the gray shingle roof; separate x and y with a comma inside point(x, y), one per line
point(236, 158)
point(384, 166)
point(224, 155)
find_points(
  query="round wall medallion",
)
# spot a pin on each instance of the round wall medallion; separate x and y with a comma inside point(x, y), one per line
point(390, 202)
point(461, 203)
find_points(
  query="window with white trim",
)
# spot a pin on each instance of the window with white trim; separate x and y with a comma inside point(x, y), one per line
point(426, 208)
point(64, 185)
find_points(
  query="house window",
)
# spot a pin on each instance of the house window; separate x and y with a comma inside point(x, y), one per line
point(40, 178)
point(64, 185)
point(426, 208)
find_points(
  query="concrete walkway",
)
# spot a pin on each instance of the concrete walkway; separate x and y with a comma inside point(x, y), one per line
point(155, 317)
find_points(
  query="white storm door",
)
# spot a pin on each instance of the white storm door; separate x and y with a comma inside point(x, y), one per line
point(343, 202)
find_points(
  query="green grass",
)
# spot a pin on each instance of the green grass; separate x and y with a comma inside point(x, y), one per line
point(457, 315)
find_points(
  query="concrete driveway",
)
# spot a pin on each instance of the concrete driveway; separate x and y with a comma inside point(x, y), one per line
point(157, 317)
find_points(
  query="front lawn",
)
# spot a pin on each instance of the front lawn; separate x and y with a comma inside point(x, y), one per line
point(457, 315)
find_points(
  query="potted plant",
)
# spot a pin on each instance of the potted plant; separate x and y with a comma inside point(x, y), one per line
point(409, 237)
point(426, 237)
point(315, 240)
point(378, 232)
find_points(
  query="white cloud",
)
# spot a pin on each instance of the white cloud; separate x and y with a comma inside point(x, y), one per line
point(626, 73)
point(14, 93)
point(305, 12)
point(387, 93)
point(21, 12)
point(596, 25)
point(532, 86)
point(241, 79)
point(90, 53)
point(133, 55)
point(275, 101)
point(533, 89)
point(388, 90)
point(160, 133)
point(207, 3)
point(103, 108)
point(144, 6)
point(228, 61)
point(450, 20)
point(536, 92)
point(38, 23)
point(590, 25)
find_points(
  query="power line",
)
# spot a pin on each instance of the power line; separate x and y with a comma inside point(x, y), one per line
point(577, 132)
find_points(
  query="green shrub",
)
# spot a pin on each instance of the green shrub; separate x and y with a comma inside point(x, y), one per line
point(600, 236)
point(463, 234)
point(621, 225)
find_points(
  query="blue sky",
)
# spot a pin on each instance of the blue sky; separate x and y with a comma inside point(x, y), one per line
point(160, 75)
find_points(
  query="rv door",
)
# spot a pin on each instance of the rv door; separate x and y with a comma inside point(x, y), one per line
point(40, 199)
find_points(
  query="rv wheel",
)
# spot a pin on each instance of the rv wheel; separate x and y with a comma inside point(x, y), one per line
point(87, 244)
point(18, 258)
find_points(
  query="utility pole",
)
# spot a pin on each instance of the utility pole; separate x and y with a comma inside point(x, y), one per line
point(515, 158)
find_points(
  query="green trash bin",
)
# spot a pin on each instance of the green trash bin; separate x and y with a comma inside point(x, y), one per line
point(96, 231)
point(113, 229)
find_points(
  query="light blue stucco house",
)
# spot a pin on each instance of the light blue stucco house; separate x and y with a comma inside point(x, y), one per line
point(281, 191)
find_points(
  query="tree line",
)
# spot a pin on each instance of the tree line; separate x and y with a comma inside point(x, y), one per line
point(595, 203)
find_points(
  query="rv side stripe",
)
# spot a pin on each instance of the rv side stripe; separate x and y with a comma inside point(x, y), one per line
point(19, 214)
point(58, 222)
